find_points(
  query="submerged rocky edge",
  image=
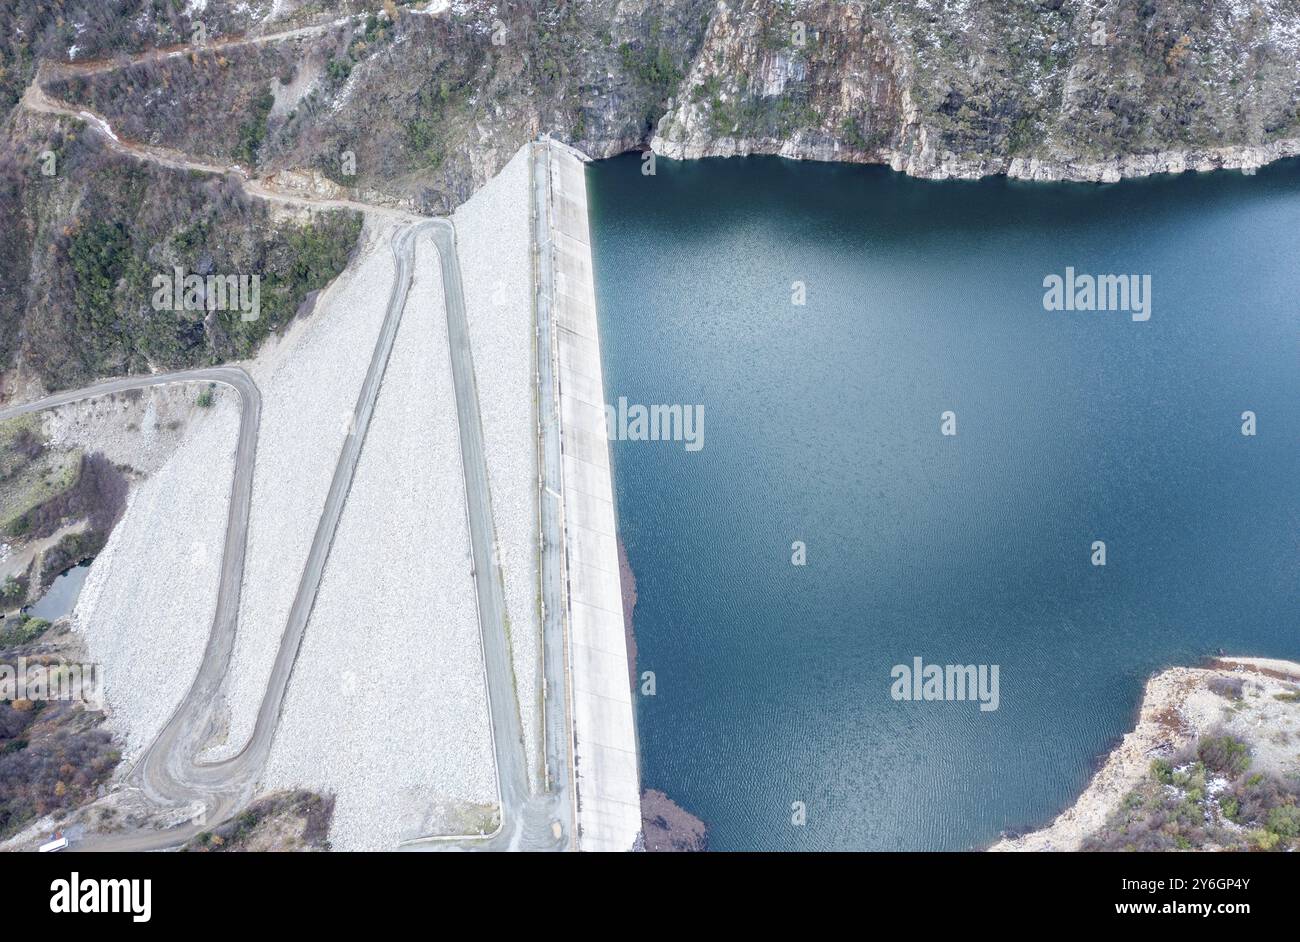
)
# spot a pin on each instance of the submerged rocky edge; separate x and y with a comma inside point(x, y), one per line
point(1212, 764)
point(665, 825)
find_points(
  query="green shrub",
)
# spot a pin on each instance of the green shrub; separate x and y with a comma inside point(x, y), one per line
point(98, 253)
point(1284, 821)
point(13, 592)
point(253, 131)
point(1225, 755)
point(1263, 840)
point(24, 631)
point(338, 69)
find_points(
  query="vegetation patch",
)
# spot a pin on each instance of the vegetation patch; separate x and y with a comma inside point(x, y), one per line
point(77, 298)
point(253, 131)
point(72, 550)
point(54, 754)
point(88, 488)
point(1206, 798)
point(28, 495)
point(19, 630)
point(294, 820)
point(13, 591)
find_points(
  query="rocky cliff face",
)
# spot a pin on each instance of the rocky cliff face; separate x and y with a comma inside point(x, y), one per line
point(1044, 90)
point(419, 103)
point(815, 81)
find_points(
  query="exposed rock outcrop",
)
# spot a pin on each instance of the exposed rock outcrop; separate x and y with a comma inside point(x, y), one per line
point(420, 104)
point(667, 827)
point(1063, 91)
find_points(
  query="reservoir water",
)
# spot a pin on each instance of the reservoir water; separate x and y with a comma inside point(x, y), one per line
point(822, 424)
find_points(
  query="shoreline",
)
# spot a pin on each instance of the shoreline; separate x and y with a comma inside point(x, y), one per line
point(1246, 158)
point(627, 586)
point(666, 826)
point(1177, 708)
point(1243, 158)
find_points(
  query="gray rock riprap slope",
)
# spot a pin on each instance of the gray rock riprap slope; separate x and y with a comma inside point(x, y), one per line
point(387, 708)
point(147, 604)
point(309, 380)
point(493, 235)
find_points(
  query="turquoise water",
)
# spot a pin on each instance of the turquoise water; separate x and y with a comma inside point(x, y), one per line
point(822, 424)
